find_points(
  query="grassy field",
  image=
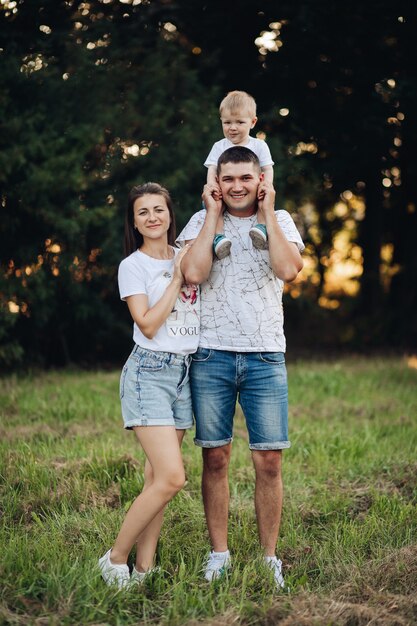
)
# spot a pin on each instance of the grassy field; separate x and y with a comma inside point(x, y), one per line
point(349, 534)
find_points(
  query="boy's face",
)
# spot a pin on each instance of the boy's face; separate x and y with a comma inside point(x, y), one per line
point(237, 126)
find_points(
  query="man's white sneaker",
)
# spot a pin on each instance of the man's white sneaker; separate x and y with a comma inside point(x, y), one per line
point(276, 566)
point(217, 564)
point(139, 577)
point(112, 573)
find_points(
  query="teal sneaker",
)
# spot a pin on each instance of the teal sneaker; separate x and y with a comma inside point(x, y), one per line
point(221, 246)
point(259, 237)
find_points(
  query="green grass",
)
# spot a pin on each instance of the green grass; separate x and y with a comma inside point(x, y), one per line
point(68, 471)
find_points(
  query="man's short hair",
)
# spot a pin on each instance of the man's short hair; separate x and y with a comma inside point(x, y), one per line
point(238, 154)
point(238, 101)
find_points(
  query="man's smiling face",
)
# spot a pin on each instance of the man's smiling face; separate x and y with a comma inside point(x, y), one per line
point(239, 186)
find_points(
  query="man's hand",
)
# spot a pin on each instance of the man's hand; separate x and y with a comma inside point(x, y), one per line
point(266, 198)
point(212, 198)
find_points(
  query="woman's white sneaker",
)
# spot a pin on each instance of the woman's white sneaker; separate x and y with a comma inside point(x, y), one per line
point(112, 573)
point(139, 577)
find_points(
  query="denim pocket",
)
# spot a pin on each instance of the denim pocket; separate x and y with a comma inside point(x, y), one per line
point(274, 358)
point(149, 361)
point(202, 354)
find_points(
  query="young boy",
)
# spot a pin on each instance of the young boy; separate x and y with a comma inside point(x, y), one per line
point(238, 117)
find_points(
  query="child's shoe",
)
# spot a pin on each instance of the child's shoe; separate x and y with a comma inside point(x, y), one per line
point(221, 246)
point(112, 573)
point(259, 237)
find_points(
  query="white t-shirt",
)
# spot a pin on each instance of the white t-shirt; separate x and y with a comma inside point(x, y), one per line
point(241, 302)
point(142, 274)
point(258, 146)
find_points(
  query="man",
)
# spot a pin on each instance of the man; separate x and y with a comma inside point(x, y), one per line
point(242, 345)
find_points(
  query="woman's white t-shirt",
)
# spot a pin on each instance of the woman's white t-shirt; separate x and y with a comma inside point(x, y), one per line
point(142, 274)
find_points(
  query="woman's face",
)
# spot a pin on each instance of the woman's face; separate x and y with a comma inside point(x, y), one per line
point(151, 216)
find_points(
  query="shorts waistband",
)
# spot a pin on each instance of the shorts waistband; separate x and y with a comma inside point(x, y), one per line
point(169, 358)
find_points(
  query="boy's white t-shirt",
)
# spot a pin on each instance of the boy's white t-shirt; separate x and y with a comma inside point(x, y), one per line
point(142, 274)
point(241, 302)
point(258, 146)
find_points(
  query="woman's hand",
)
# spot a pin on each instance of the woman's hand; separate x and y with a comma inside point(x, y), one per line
point(178, 276)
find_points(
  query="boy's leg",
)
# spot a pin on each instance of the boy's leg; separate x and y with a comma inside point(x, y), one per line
point(220, 224)
point(221, 243)
point(258, 233)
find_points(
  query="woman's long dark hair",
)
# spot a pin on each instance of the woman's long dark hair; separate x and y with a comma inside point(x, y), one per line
point(133, 239)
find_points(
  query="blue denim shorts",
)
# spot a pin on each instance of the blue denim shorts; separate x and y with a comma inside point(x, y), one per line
point(155, 390)
point(257, 379)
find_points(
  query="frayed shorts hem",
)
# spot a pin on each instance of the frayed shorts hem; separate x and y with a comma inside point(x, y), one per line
point(279, 445)
point(213, 444)
point(160, 422)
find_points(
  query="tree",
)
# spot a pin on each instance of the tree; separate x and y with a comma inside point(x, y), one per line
point(84, 118)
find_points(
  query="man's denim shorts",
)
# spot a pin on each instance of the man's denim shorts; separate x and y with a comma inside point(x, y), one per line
point(155, 390)
point(257, 379)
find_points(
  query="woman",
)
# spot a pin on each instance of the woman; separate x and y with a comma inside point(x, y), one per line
point(154, 386)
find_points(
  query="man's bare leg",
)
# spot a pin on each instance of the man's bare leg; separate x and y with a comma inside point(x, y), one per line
point(268, 497)
point(215, 487)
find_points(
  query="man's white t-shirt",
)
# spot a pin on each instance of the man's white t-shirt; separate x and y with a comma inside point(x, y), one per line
point(142, 274)
point(258, 146)
point(241, 302)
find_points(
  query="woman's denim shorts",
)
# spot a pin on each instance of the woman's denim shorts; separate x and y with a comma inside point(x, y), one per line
point(155, 390)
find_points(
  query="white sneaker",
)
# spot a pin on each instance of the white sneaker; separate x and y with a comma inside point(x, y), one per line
point(217, 564)
point(276, 566)
point(112, 573)
point(139, 577)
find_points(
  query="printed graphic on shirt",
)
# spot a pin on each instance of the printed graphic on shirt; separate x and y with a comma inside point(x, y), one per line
point(184, 319)
point(241, 302)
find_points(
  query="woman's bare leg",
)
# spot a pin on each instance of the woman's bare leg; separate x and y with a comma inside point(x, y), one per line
point(147, 541)
point(160, 444)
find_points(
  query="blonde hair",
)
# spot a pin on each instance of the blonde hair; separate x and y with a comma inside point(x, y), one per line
point(238, 101)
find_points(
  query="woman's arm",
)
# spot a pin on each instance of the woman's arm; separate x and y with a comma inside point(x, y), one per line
point(150, 320)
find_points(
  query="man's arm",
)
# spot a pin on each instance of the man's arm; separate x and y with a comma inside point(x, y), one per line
point(286, 261)
point(196, 264)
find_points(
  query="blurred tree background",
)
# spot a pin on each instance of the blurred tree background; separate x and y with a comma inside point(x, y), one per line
point(98, 96)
